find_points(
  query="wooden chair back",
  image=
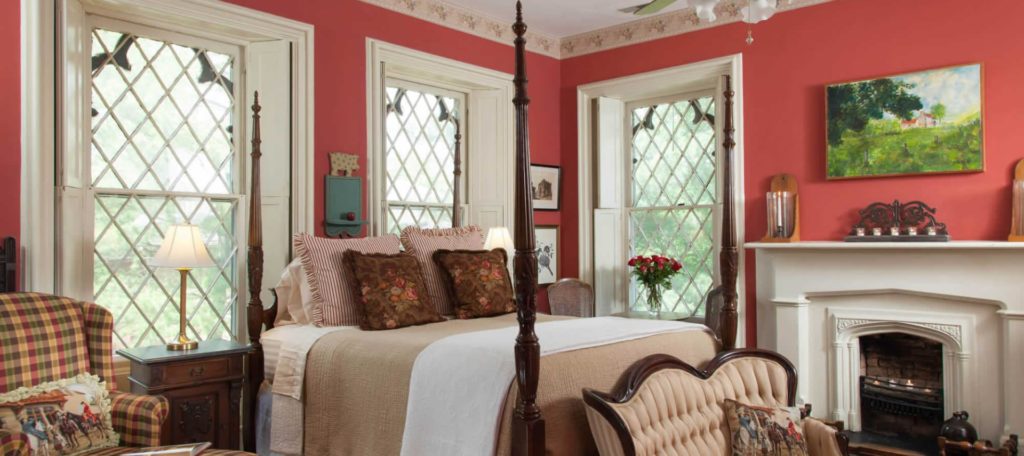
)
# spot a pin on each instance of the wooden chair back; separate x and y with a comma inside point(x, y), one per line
point(571, 297)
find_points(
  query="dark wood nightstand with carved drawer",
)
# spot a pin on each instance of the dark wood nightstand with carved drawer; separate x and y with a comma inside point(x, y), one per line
point(204, 387)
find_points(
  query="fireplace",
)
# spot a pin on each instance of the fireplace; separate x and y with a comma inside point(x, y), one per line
point(901, 385)
point(823, 304)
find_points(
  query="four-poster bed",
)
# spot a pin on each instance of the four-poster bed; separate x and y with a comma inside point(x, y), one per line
point(525, 425)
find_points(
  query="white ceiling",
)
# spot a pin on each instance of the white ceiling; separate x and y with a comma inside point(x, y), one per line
point(562, 18)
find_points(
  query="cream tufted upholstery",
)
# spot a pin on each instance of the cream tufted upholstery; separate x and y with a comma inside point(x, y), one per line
point(665, 407)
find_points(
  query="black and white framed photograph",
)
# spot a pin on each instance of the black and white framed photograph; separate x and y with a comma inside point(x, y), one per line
point(547, 187)
point(547, 254)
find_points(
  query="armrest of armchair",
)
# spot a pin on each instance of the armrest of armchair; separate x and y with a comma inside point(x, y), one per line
point(824, 439)
point(13, 444)
point(138, 418)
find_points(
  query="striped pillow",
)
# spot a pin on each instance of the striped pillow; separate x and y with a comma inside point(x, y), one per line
point(334, 301)
point(422, 243)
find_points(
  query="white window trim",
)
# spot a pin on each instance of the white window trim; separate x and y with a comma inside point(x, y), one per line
point(236, 24)
point(488, 164)
point(460, 108)
point(629, 184)
point(655, 84)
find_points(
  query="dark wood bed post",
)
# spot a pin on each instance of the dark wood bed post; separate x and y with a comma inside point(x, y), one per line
point(457, 172)
point(730, 254)
point(527, 424)
point(257, 316)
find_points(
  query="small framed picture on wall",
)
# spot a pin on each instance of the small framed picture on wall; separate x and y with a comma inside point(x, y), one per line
point(547, 187)
point(547, 254)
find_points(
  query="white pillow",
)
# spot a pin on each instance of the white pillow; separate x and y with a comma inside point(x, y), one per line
point(293, 295)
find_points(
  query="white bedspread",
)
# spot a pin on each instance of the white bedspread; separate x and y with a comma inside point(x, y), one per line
point(459, 383)
point(293, 343)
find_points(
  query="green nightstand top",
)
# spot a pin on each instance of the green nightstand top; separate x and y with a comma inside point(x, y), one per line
point(207, 349)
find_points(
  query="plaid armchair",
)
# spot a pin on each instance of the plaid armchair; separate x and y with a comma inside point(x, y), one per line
point(45, 338)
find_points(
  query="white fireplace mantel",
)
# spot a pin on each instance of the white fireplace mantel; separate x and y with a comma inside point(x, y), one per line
point(839, 245)
point(815, 298)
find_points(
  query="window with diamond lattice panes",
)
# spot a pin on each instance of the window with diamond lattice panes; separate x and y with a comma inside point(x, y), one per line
point(162, 152)
point(674, 196)
point(421, 128)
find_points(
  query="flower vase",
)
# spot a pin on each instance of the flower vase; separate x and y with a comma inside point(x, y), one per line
point(654, 301)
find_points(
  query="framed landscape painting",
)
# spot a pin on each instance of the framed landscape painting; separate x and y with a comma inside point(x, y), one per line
point(917, 123)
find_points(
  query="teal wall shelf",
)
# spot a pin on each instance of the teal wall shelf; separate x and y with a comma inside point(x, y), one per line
point(343, 206)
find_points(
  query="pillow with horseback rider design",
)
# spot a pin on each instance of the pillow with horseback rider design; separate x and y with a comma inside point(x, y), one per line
point(764, 430)
point(59, 418)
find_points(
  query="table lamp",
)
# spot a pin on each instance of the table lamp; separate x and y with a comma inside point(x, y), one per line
point(499, 238)
point(182, 249)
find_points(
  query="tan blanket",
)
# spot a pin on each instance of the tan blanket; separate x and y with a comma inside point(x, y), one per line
point(357, 384)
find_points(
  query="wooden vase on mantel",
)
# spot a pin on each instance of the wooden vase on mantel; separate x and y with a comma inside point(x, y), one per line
point(1017, 213)
point(783, 220)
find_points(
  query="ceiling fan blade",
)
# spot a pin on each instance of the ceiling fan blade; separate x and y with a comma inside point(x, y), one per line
point(653, 7)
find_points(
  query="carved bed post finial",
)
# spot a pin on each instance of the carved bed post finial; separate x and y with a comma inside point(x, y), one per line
point(457, 173)
point(729, 258)
point(255, 313)
point(255, 252)
point(527, 424)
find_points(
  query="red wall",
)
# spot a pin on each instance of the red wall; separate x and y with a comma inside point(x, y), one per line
point(10, 124)
point(342, 27)
point(794, 55)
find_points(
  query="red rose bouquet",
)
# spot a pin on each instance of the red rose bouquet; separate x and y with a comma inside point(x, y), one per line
point(655, 274)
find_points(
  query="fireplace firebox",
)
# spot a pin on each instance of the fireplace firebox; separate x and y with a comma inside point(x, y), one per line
point(901, 385)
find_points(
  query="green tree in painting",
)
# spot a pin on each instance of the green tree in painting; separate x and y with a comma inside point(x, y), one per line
point(852, 106)
point(938, 111)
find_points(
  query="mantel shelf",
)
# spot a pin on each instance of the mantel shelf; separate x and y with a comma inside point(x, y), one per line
point(839, 245)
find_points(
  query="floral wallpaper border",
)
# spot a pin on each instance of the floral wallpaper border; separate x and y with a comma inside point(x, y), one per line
point(639, 31)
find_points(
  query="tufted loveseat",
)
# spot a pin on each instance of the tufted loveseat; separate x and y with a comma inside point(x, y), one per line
point(664, 406)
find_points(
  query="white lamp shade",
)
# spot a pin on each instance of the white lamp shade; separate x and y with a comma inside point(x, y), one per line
point(182, 248)
point(498, 237)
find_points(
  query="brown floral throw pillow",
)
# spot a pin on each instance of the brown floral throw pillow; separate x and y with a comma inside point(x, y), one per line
point(764, 430)
point(392, 291)
point(479, 281)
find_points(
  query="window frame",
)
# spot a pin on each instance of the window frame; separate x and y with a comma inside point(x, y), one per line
point(46, 58)
point(716, 208)
point(464, 125)
point(598, 253)
point(84, 280)
point(488, 133)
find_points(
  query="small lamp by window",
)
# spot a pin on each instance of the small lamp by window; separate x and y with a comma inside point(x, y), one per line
point(182, 249)
point(499, 238)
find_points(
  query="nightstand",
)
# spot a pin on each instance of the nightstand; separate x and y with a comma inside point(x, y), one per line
point(203, 386)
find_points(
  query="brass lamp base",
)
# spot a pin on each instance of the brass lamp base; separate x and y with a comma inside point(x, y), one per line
point(181, 345)
point(183, 342)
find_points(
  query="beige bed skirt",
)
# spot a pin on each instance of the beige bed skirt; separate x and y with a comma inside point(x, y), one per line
point(357, 384)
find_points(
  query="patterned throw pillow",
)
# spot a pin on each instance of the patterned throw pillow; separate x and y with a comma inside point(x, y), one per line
point(60, 418)
point(333, 299)
point(422, 243)
point(392, 291)
point(764, 430)
point(479, 281)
